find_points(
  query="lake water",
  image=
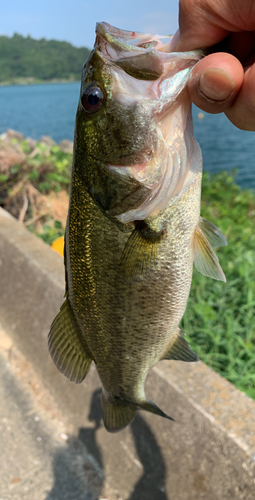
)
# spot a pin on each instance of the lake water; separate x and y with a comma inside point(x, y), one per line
point(50, 109)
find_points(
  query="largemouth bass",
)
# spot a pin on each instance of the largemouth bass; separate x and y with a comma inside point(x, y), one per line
point(134, 226)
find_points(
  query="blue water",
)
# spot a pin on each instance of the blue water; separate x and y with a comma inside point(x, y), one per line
point(36, 110)
point(225, 147)
point(50, 109)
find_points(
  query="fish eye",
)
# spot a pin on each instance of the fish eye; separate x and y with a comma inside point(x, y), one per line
point(92, 98)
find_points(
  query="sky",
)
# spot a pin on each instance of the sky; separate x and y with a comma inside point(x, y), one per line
point(74, 20)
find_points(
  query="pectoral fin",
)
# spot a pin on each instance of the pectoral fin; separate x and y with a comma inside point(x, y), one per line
point(179, 349)
point(67, 347)
point(212, 233)
point(205, 260)
point(141, 248)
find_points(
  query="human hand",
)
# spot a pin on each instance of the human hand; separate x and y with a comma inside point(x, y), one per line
point(225, 79)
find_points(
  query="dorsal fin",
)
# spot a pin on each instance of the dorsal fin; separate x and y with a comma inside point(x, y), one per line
point(67, 346)
point(212, 233)
point(205, 260)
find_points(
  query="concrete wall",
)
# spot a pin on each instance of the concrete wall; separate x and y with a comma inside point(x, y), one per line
point(208, 452)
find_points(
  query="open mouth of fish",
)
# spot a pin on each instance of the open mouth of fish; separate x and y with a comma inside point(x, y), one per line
point(154, 75)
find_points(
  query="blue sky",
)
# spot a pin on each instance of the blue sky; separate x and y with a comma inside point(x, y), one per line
point(74, 20)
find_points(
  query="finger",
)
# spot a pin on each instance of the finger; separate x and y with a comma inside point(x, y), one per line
point(199, 26)
point(215, 82)
point(241, 45)
point(204, 23)
point(242, 111)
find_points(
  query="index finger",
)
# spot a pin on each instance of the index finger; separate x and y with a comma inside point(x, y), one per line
point(204, 23)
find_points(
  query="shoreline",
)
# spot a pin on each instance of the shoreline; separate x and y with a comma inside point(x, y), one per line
point(29, 81)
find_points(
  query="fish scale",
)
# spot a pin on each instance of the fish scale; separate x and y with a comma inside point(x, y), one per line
point(133, 230)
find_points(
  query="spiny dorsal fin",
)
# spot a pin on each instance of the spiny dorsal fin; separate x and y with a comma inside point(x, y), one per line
point(179, 349)
point(67, 347)
point(205, 260)
point(141, 248)
point(116, 416)
point(212, 233)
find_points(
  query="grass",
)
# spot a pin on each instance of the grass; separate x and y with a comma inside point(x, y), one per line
point(220, 318)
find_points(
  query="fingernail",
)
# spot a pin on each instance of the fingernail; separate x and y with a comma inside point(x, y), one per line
point(216, 84)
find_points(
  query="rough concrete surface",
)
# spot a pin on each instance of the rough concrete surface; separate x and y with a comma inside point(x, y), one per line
point(208, 452)
point(41, 459)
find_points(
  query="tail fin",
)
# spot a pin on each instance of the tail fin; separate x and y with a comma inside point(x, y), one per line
point(117, 416)
point(149, 406)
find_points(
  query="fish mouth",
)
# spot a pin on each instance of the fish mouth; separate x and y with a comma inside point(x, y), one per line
point(122, 41)
point(136, 53)
point(148, 58)
point(146, 73)
point(144, 56)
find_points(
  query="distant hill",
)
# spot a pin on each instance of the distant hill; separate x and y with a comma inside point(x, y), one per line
point(36, 60)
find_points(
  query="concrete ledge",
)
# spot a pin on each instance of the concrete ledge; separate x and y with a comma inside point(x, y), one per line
point(209, 452)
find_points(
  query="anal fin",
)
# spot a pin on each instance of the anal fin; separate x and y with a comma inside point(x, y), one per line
point(67, 347)
point(180, 350)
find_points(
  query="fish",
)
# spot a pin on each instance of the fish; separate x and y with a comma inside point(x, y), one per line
point(134, 227)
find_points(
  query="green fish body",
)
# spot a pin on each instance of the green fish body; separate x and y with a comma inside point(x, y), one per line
point(134, 227)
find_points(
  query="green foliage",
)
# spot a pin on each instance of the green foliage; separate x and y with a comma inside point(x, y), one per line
point(3, 178)
point(22, 57)
point(50, 231)
point(220, 318)
point(49, 169)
